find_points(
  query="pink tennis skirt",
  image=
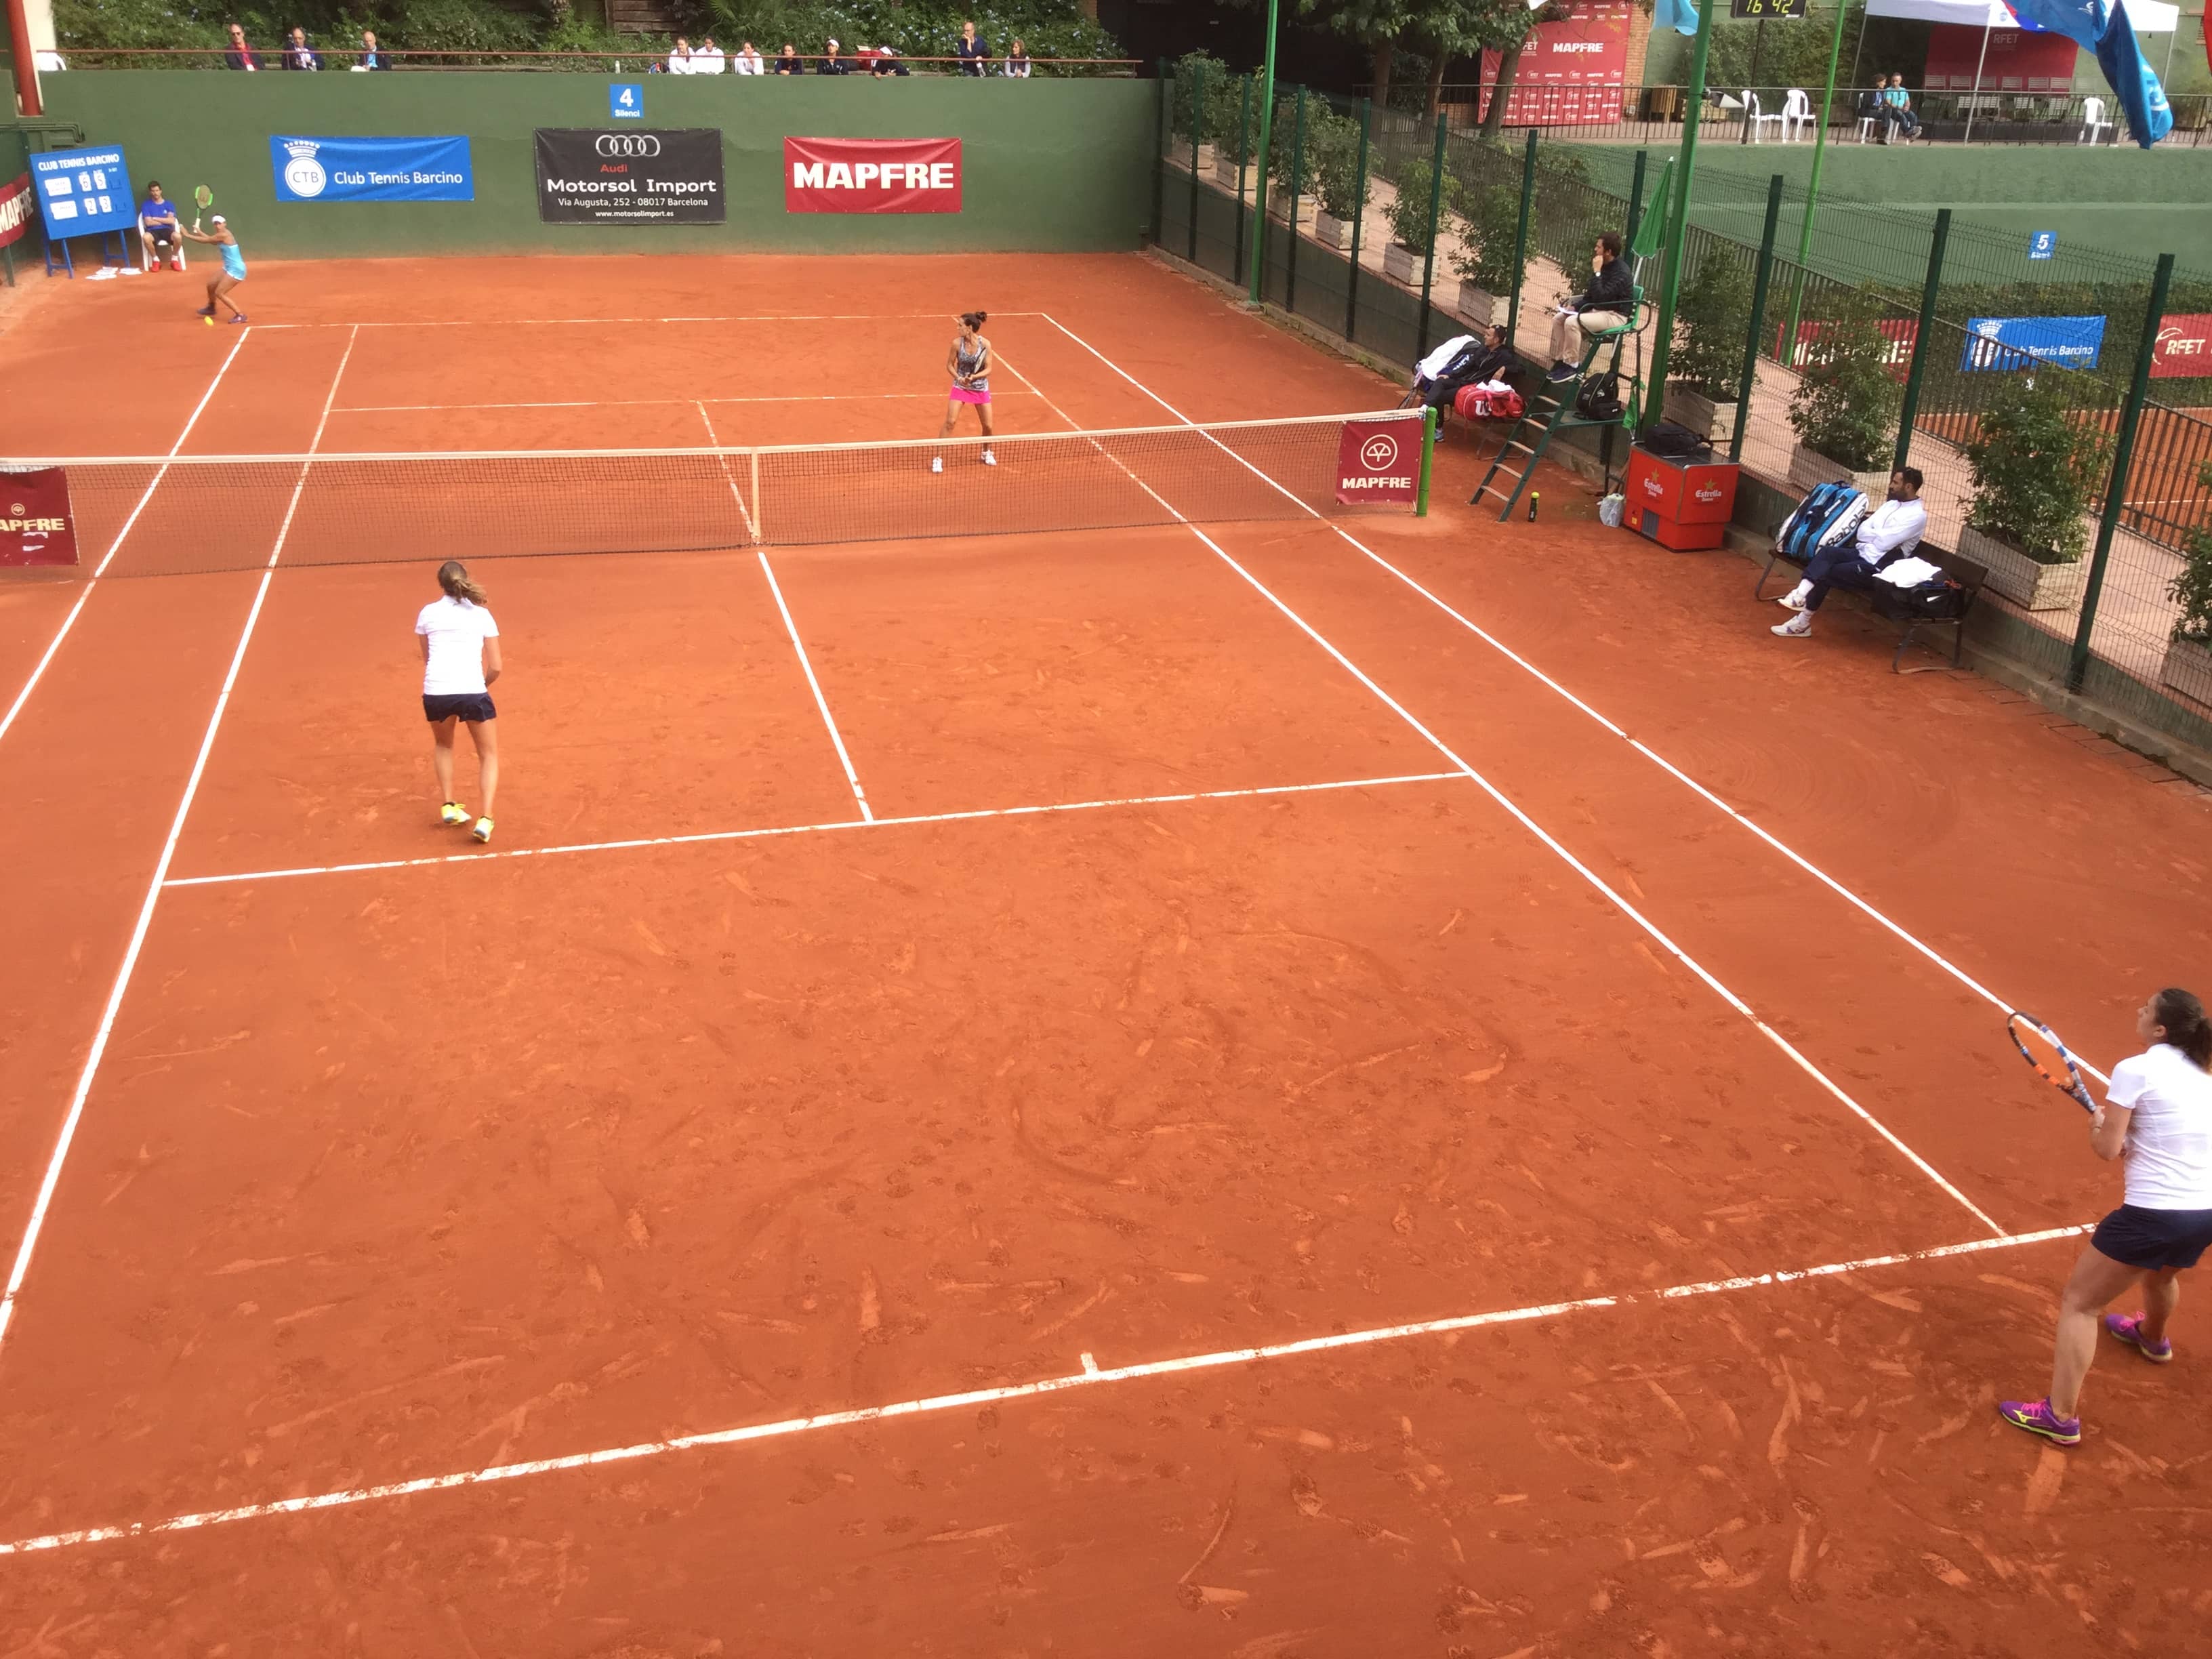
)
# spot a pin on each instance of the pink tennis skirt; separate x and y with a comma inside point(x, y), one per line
point(961, 394)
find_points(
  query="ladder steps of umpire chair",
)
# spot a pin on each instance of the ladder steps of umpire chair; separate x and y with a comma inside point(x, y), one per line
point(1553, 408)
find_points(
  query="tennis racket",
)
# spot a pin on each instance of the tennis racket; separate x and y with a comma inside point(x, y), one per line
point(2040, 1046)
point(202, 198)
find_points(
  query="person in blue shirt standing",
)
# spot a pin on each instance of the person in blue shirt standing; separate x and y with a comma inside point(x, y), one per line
point(157, 229)
point(232, 274)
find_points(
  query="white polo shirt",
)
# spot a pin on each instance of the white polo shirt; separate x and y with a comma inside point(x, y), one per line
point(706, 60)
point(457, 630)
point(2169, 1147)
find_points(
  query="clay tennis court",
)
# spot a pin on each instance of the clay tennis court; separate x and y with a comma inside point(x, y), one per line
point(1297, 1085)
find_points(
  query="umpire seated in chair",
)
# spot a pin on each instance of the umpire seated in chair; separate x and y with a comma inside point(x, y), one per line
point(1599, 308)
point(1886, 535)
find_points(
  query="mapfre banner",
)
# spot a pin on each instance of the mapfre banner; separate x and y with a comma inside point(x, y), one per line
point(872, 175)
point(34, 520)
point(1378, 461)
point(16, 201)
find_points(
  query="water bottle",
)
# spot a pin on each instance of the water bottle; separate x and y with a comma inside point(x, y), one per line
point(1534, 496)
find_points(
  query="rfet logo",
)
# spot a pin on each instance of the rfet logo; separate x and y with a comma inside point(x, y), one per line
point(35, 530)
point(1377, 461)
point(872, 175)
point(2184, 347)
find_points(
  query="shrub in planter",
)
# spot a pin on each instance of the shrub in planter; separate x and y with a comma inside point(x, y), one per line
point(1198, 75)
point(1846, 407)
point(2188, 667)
point(1333, 172)
point(1487, 270)
point(1713, 314)
point(2036, 470)
point(1410, 242)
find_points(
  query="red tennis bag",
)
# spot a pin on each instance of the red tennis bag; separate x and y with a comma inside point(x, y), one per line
point(1475, 402)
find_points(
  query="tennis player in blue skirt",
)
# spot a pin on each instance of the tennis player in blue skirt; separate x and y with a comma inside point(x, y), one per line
point(460, 660)
point(234, 267)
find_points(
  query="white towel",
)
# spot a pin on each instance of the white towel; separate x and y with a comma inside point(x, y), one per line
point(1910, 573)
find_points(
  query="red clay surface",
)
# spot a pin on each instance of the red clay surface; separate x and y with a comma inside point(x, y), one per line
point(409, 1171)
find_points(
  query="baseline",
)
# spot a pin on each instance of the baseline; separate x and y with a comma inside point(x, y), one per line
point(1091, 1375)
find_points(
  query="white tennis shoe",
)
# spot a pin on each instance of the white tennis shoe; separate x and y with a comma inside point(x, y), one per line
point(937, 464)
point(1796, 628)
point(990, 460)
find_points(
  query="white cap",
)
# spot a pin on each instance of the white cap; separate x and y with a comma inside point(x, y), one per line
point(215, 218)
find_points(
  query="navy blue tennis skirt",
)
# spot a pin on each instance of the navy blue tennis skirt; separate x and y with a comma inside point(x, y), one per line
point(471, 705)
point(2154, 1238)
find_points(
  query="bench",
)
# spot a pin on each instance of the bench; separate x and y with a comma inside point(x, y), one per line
point(1969, 575)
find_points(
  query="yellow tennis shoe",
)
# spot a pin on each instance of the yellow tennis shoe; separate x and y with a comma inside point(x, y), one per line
point(453, 812)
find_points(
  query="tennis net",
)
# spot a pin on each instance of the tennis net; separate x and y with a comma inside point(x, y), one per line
point(196, 513)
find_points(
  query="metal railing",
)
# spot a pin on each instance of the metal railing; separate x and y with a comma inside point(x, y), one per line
point(646, 57)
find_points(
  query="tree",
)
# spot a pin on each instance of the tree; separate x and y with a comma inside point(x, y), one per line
point(1509, 67)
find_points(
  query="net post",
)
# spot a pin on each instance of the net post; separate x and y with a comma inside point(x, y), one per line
point(1521, 243)
point(757, 503)
point(1297, 188)
point(1243, 156)
point(1758, 317)
point(1358, 221)
point(1911, 410)
point(2123, 454)
point(1436, 220)
point(1197, 121)
point(1428, 461)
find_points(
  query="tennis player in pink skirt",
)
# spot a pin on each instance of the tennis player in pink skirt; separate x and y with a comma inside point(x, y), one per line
point(968, 362)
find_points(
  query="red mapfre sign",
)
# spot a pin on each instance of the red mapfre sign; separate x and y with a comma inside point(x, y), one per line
point(872, 175)
point(2184, 347)
point(1378, 461)
point(34, 520)
point(16, 202)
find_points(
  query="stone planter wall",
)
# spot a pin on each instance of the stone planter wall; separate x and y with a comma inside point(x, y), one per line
point(1401, 265)
point(1206, 158)
point(2188, 670)
point(1332, 231)
point(1224, 173)
point(1478, 307)
point(1278, 206)
point(2014, 576)
point(1711, 421)
point(1809, 468)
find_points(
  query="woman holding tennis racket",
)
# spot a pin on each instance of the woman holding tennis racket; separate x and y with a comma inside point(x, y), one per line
point(460, 660)
point(968, 362)
point(234, 260)
point(2158, 1116)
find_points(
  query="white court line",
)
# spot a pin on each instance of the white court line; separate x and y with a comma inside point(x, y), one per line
point(1863, 906)
point(52, 1179)
point(752, 534)
point(821, 702)
point(647, 402)
point(1559, 848)
point(754, 317)
point(707, 836)
point(1092, 1376)
point(162, 471)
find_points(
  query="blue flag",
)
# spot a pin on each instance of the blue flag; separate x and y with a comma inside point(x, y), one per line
point(2081, 20)
point(1679, 15)
point(2134, 83)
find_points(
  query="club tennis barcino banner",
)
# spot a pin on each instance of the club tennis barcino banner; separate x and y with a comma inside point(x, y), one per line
point(1378, 462)
point(371, 169)
point(872, 175)
point(35, 519)
point(599, 177)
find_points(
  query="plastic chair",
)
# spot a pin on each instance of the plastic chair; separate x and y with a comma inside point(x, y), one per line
point(1797, 114)
point(1756, 120)
point(2093, 120)
point(148, 262)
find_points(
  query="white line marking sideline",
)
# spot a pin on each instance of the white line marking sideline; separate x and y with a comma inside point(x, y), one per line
point(75, 1113)
point(649, 403)
point(1863, 905)
point(1090, 1376)
point(552, 322)
point(114, 547)
point(705, 836)
point(821, 702)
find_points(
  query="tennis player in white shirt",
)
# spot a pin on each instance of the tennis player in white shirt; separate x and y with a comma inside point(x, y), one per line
point(460, 660)
point(2158, 1117)
point(1891, 531)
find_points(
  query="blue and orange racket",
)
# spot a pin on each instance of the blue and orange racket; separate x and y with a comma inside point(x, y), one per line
point(2053, 1062)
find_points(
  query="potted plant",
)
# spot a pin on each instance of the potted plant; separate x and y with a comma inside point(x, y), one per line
point(2188, 667)
point(1281, 162)
point(1846, 402)
point(1333, 160)
point(1488, 274)
point(1713, 314)
point(2036, 470)
point(1229, 121)
point(1410, 224)
point(1199, 78)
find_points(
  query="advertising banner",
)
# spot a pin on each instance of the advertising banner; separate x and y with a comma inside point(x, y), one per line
point(1899, 331)
point(35, 519)
point(2184, 349)
point(633, 176)
point(1378, 461)
point(371, 169)
point(1573, 70)
point(83, 191)
point(872, 175)
point(14, 209)
point(2006, 344)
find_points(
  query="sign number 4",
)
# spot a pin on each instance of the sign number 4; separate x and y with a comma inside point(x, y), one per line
point(626, 101)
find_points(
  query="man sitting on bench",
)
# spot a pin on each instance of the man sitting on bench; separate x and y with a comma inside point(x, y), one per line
point(1886, 535)
point(1463, 360)
point(1599, 308)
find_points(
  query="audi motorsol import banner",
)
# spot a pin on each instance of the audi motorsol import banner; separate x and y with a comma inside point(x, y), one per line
point(1378, 462)
point(596, 177)
point(872, 175)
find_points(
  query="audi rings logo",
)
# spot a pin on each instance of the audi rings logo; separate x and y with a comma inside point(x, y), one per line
point(627, 143)
point(1379, 454)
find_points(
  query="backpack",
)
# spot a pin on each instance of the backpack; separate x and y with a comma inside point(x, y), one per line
point(1472, 402)
point(1599, 400)
point(1671, 442)
point(1937, 599)
point(1824, 517)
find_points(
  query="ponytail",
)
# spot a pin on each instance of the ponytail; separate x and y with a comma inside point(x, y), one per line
point(2186, 1027)
point(453, 576)
point(975, 318)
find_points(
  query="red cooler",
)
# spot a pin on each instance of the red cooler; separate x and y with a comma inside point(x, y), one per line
point(1683, 505)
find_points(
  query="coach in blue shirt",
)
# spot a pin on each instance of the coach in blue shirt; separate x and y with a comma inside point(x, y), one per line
point(157, 229)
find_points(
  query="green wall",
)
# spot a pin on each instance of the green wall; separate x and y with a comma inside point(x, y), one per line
point(1050, 165)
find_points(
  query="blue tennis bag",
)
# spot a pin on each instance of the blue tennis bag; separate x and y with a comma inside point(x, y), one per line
point(1826, 516)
